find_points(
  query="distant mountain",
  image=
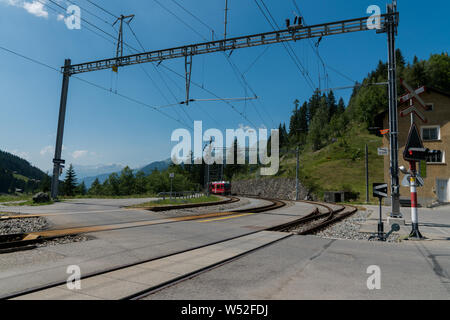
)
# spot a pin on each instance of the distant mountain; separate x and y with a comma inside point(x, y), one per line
point(83, 171)
point(16, 172)
point(160, 165)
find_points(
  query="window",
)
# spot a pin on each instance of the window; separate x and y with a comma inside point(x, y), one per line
point(429, 106)
point(430, 133)
point(436, 158)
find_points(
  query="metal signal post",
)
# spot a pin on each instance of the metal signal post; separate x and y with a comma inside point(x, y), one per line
point(391, 30)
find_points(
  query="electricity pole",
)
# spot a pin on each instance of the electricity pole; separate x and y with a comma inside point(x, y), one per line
point(296, 173)
point(119, 50)
point(367, 174)
point(226, 19)
point(391, 29)
point(57, 161)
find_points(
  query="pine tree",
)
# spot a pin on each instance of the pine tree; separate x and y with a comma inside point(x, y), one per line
point(81, 189)
point(341, 106)
point(332, 106)
point(126, 181)
point(96, 188)
point(70, 182)
point(294, 121)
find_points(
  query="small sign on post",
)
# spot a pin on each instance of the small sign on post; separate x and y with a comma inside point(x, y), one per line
point(380, 191)
point(383, 151)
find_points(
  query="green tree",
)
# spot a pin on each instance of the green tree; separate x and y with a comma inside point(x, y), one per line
point(140, 185)
point(81, 189)
point(341, 106)
point(437, 70)
point(126, 181)
point(70, 182)
point(46, 183)
point(332, 106)
point(96, 188)
point(318, 131)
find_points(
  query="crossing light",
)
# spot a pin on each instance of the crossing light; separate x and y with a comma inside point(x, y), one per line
point(417, 154)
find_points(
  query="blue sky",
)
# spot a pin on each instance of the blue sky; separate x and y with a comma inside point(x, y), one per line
point(104, 128)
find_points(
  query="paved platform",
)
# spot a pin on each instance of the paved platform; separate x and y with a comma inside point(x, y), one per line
point(309, 267)
point(125, 282)
point(434, 223)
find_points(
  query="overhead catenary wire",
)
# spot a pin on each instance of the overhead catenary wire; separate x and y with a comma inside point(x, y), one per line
point(89, 12)
point(109, 40)
point(200, 35)
point(103, 9)
point(155, 108)
point(173, 71)
point(287, 46)
point(238, 73)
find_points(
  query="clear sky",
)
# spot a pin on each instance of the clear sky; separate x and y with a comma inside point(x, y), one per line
point(103, 128)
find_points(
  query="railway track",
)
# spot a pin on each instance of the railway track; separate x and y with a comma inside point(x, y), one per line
point(27, 241)
point(309, 224)
point(317, 221)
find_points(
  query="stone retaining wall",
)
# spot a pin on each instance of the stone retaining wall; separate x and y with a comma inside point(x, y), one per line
point(276, 188)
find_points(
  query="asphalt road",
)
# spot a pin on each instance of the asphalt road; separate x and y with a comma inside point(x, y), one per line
point(309, 267)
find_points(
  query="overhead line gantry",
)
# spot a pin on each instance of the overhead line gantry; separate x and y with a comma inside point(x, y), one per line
point(388, 23)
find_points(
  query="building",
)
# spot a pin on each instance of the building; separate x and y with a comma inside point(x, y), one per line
point(436, 136)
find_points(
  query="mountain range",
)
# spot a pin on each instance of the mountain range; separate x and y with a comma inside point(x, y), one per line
point(103, 173)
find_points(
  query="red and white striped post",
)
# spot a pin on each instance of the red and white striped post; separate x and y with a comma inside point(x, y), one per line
point(415, 233)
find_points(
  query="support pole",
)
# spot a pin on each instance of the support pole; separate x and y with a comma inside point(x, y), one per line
point(415, 233)
point(367, 174)
point(393, 122)
point(296, 174)
point(380, 223)
point(57, 161)
point(188, 72)
point(226, 19)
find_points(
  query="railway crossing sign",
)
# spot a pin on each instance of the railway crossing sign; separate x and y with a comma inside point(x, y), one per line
point(414, 150)
point(413, 109)
point(411, 96)
point(380, 190)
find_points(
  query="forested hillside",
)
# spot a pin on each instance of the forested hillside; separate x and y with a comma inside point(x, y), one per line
point(332, 136)
point(17, 173)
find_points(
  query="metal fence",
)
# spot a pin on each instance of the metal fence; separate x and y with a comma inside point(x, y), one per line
point(181, 195)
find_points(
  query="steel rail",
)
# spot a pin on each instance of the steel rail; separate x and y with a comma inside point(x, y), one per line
point(274, 204)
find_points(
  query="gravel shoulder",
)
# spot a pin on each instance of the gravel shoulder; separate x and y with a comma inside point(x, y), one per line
point(22, 225)
point(349, 229)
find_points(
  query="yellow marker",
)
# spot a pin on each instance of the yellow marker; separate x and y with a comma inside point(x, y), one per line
point(115, 68)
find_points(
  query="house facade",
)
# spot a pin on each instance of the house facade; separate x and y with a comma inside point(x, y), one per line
point(435, 134)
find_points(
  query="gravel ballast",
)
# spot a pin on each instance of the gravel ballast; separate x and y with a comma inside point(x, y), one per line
point(22, 225)
point(349, 229)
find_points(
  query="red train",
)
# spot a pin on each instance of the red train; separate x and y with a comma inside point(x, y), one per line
point(220, 187)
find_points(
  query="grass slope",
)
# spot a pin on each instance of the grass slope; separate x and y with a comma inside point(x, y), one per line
point(338, 166)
